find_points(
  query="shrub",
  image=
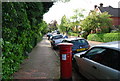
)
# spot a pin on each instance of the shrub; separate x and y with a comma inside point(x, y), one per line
point(105, 37)
point(21, 25)
point(72, 34)
point(115, 31)
point(84, 35)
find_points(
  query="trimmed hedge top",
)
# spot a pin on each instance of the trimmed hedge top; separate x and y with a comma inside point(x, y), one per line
point(105, 37)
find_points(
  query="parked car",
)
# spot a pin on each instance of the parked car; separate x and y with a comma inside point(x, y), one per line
point(56, 39)
point(58, 32)
point(79, 44)
point(49, 35)
point(101, 62)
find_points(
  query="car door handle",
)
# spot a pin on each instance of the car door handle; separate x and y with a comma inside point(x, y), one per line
point(94, 67)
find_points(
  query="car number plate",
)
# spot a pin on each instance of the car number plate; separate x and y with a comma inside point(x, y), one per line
point(82, 49)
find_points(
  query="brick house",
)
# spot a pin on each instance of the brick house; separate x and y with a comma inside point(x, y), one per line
point(114, 12)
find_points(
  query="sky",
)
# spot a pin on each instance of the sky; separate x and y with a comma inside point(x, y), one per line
point(60, 9)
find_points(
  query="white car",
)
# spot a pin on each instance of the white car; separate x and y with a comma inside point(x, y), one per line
point(56, 39)
point(101, 62)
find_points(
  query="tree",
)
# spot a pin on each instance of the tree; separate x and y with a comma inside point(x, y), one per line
point(65, 24)
point(72, 22)
point(96, 20)
point(52, 25)
point(77, 17)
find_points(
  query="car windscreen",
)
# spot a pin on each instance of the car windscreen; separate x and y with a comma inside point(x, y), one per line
point(58, 37)
point(80, 41)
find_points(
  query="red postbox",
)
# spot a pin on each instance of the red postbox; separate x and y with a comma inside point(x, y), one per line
point(65, 60)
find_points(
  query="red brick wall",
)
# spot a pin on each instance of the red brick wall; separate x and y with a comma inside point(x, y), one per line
point(116, 20)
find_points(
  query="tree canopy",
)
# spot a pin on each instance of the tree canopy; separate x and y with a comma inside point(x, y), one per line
point(65, 24)
point(96, 20)
point(72, 22)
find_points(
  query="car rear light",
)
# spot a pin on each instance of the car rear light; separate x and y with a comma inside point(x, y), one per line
point(88, 46)
point(74, 52)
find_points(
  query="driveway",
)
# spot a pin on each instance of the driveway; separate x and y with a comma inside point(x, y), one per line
point(92, 43)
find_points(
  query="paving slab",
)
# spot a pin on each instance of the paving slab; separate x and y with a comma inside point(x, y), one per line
point(41, 64)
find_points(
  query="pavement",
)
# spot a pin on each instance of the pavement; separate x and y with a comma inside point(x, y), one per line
point(43, 64)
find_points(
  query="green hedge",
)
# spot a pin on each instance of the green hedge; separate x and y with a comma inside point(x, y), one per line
point(22, 28)
point(106, 37)
point(72, 34)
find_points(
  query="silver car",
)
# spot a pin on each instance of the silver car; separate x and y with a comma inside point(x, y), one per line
point(101, 62)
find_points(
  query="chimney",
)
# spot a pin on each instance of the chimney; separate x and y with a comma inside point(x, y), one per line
point(95, 6)
point(101, 4)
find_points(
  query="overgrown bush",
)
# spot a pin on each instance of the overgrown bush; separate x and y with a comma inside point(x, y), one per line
point(20, 32)
point(106, 37)
point(72, 34)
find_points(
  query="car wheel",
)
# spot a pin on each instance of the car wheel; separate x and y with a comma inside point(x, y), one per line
point(54, 47)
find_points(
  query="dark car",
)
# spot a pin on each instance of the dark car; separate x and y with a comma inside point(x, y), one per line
point(79, 44)
point(58, 32)
point(101, 62)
